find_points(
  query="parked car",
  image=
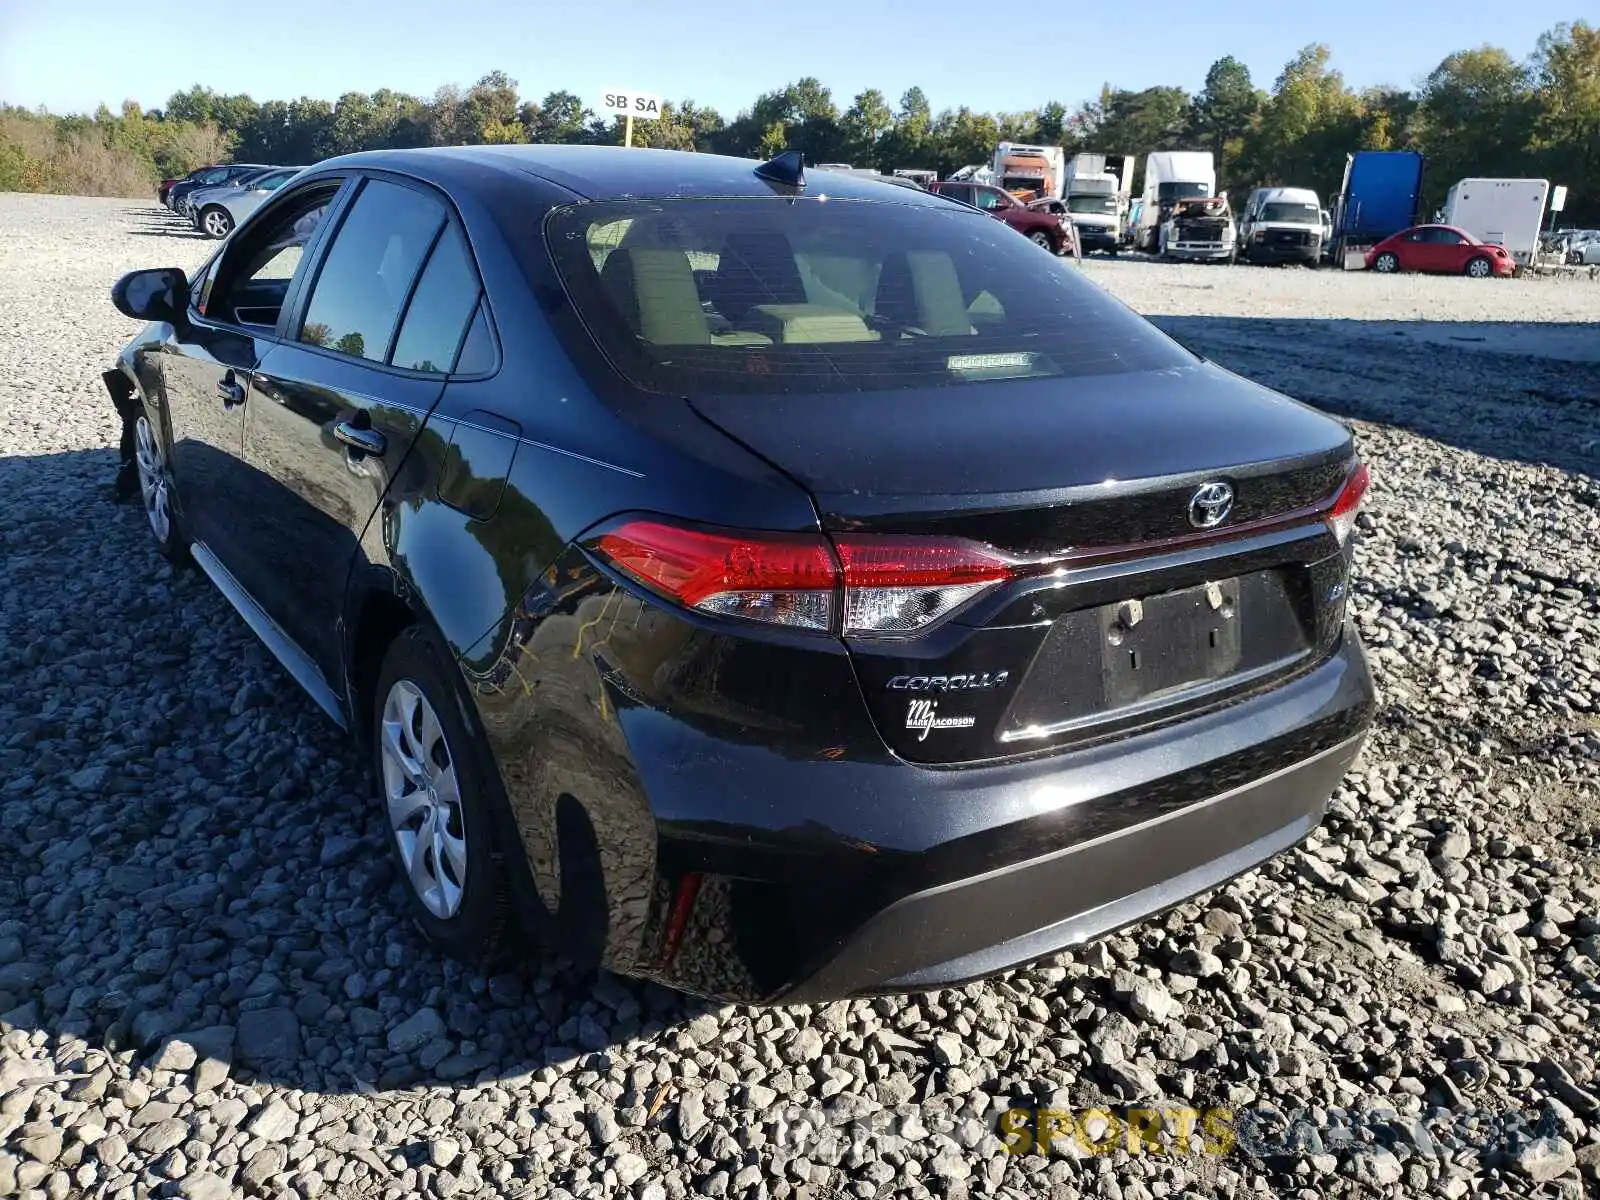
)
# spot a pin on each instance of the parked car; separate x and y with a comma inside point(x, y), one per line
point(1441, 249)
point(216, 211)
point(1583, 248)
point(188, 208)
point(164, 188)
point(211, 178)
point(765, 596)
point(1043, 228)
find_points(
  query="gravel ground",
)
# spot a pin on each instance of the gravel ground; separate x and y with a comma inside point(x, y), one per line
point(204, 990)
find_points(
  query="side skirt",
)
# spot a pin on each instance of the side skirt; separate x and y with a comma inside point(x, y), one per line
point(283, 647)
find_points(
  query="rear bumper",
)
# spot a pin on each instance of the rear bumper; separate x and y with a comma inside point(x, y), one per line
point(823, 878)
point(946, 936)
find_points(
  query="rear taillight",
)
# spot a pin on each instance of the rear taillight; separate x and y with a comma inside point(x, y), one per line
point(1347, 503)
point(905, 584)
point(855, 585)
point(782, 579)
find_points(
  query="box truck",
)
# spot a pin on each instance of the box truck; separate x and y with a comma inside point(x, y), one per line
point(1502, 212)
point(1096, 194)
point(1029, 172)
point(1170, 176)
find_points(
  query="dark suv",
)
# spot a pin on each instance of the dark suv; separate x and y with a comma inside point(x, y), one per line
point(1050, 230)
point(777, 589)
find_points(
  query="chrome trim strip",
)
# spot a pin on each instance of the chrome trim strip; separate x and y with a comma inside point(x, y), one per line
point(283, 647)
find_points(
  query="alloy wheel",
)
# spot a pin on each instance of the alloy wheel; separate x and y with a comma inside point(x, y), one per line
point(422, 793)
point(1386, 263)
point(216, 223)
point(1479, 268)
point(153, 479)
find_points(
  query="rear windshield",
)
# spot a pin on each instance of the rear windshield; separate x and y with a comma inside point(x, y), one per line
point(784, 295)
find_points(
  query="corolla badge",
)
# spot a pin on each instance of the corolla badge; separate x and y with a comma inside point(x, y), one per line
point(1210, 505)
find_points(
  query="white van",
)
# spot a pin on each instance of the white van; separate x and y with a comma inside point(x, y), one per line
point(1280, 225)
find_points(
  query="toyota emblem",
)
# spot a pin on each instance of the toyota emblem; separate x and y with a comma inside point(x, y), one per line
point(1210, 505)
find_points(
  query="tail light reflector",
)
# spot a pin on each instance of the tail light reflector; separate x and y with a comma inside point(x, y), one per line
point(1342, 515)
point(855, 585)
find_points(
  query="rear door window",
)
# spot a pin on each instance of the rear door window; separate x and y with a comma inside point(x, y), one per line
point(445, 302)
point(369, 269)
point(793, 295)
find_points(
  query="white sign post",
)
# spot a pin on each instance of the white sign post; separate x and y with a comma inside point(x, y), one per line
point(1558, 201)
point(631, 106)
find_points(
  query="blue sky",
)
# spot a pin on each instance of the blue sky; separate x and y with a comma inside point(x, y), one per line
point(72, 55)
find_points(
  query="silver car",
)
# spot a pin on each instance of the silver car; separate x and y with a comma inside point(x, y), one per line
point(1583, 248)
point(216, 211)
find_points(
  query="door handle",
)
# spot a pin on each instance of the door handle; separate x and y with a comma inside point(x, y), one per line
point(367, 441)
point(231, 390)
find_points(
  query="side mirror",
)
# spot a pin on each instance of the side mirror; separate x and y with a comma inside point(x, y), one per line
point(156, 294)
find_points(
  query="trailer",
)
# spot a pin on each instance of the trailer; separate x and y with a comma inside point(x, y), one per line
point(1381, 195)
point(1501, 212)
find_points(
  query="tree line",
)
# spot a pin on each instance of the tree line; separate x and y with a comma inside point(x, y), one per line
point(1480, 112)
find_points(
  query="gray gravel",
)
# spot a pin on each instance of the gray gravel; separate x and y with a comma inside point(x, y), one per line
point(205, 992)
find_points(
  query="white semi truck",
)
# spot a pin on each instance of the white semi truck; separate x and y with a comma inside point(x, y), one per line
point(1502, 212)
point(1170, 176)
point(1096, 191)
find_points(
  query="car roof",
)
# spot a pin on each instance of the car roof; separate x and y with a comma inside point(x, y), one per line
point(615, 173)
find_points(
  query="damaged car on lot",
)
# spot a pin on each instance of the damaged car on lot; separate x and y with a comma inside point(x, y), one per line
point(777, 593)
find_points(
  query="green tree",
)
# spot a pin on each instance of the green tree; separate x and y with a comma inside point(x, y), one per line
point(559, 117)
point(1311, 122)
point(1477, 108)
point(1225, 109)
point(1052, 123)
point(866, 122)
point(1566, 71)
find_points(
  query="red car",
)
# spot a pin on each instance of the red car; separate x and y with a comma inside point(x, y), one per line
point(1049, 230)
point(1442, 249)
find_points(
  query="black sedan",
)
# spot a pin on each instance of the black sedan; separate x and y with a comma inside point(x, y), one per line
point(782, 588)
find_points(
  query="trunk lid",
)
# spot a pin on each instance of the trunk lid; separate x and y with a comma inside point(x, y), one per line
point(1147, 617)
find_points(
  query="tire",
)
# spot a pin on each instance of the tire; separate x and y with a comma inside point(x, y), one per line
point(1574, 258)
point(157, 491)
point(1042, 239)
point(215, 221)
point(1479, 267)
point(437, 785)
point(1386, 263)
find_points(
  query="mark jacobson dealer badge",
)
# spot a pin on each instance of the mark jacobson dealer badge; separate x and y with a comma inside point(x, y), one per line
point(924, 715)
